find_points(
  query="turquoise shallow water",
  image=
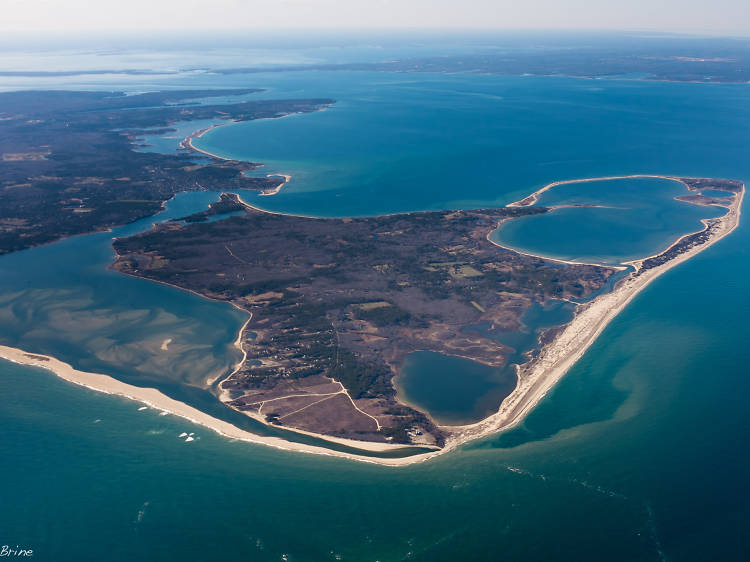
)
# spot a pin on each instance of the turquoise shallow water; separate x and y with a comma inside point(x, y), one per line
point(637, 218)
point(61, 300)
point(636, 455)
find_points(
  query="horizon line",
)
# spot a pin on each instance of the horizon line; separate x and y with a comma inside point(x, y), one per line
point(121, 32)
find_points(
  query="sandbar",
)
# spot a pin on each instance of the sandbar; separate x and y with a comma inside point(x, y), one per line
point(158, 400)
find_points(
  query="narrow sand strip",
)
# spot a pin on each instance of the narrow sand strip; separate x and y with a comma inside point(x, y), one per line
point(156, 399)
point(538, 378)
point(534, 197)
point(546, 258)
point(275, 190)
point(187, 142)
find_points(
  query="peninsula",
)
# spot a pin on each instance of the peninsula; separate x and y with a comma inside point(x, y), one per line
point(68, 164)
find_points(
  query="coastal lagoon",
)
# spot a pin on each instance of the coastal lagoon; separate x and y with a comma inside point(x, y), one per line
point(453, 390)
point(608, 221)
point(615, 464)
point(457, 391)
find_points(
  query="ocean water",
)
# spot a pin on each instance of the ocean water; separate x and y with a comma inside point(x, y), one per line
point(638, 454)
point(403, 142)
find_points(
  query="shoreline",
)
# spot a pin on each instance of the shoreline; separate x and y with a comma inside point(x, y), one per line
point(159, 401)
point(275, 190)
point(187, 142)
point(535, 379)
point(533, 198)
point(618, 267)
point(539, 377)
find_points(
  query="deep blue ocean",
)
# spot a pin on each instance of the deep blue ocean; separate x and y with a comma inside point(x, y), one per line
point(639, 454)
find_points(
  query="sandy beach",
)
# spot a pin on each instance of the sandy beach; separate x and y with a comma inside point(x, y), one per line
point(534, 197)
point(538, 378)
point(159, 401)
point(275, 190)
point(187, 142)
point(546, 258)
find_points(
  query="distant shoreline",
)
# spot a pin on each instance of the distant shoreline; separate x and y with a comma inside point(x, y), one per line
point(187, 142)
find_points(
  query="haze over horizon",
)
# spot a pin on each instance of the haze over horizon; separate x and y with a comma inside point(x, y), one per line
point(721, 17)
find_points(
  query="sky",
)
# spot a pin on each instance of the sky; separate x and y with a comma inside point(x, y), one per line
point(715, 17)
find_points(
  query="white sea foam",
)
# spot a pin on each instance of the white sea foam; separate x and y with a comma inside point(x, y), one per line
point(141, 513)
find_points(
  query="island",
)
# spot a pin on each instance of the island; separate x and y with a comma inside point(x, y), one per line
point(336, 305)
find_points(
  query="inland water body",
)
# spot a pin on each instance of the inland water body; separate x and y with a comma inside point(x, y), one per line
point(638, 454)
